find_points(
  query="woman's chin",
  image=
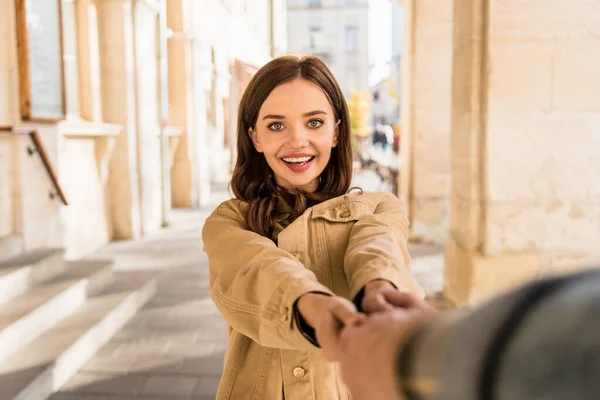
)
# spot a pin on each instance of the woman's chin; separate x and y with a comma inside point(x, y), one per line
point(306, 184)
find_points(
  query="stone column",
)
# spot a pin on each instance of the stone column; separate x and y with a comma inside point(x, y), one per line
point(9, 78)
point(202, 81)
point(9, 115)
point(525, 139)
point(116, 45)
point(184, 180)
point(425, 147)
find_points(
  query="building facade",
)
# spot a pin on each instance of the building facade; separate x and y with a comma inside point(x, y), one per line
point(338, 32)
point(143, 118)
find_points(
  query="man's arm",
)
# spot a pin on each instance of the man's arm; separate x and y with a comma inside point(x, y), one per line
point(534, 342)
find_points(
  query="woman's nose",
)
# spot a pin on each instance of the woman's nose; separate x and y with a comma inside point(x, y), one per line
point(298, 137)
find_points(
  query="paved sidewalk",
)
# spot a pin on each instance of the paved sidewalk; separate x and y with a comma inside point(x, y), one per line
point(173, 349)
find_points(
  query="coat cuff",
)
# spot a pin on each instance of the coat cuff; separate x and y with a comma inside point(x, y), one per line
point(296, 329)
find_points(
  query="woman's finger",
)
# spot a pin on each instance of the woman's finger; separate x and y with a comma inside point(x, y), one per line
point(346, 314)
point(405, 300)
point(376, 303)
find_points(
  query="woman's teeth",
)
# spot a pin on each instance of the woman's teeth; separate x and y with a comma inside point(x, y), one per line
point(298, 160)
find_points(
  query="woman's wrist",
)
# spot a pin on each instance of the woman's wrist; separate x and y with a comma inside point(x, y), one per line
point(308, 306)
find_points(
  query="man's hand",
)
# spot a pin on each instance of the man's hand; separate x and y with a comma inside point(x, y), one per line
point(381, 296)
point(369, 352)
point(328, 315)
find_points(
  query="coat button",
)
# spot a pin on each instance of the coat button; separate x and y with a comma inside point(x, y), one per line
point(296, 256)
point(298, 372)
point(345, 214)
point(284, 316)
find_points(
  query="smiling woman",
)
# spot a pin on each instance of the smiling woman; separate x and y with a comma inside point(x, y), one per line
point(294, 247)
point(294, 113)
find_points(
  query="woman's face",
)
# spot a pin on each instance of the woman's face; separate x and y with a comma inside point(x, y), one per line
point(296, 130)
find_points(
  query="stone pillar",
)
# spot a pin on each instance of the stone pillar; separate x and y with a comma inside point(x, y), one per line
point(9, 78)
point(9, 115)
point(205, 21)
point(425, 147)
point(146, 32)
point(116, 45)
point(184, 179)
point(202, 82)
point(525, 123)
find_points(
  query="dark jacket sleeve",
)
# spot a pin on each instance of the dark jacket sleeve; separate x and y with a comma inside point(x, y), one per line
point(540, 341)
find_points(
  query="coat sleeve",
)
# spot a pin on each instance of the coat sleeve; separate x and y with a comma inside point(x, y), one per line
point(253, 283)
point(454, 355)
point(377, 249)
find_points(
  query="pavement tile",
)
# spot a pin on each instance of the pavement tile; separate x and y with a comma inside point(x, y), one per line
point(208, 386)
point(170, 385)
point(83, 383)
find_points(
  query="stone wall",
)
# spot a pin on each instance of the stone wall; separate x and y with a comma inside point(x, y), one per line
point(8, 199)
point(525, 134)
point(41, 224)
point(86, 225)
point(543, 130)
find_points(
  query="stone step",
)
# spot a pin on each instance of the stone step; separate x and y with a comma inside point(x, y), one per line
point(40, 368)
point(28, 315)
point(10, 246)
point(20, 273)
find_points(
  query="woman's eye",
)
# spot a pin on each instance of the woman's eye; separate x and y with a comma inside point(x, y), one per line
point(315, 123)
point(276, 126)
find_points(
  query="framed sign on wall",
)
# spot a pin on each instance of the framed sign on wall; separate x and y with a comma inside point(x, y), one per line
point(40, 52)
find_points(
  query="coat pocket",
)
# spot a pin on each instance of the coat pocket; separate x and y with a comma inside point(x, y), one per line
point(333, 227)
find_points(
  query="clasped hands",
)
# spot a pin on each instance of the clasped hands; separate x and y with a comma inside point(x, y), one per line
point(366, 344)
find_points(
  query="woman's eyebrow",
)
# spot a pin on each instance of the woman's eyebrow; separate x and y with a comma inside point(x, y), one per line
point(315, 112)
point(274, 116)
point(308, 114)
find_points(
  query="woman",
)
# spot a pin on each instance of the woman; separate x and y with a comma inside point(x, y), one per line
point(295, 246)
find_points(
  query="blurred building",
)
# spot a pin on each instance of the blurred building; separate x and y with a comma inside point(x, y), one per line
point(397, 16)
point(386, 91)
point(134, 104)
point(386, 102)
point(338, 32)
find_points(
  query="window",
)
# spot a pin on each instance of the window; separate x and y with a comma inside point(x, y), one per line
point(350, 2)
point(351, 38)
point(314, 3)
point(314, 35)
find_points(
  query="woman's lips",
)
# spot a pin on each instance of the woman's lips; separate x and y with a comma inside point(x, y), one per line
point(298, 164)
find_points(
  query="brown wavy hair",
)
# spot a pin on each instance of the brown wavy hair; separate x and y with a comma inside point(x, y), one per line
point(270, 206)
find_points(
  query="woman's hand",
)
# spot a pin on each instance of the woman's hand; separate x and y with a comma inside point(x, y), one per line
point(328, 315)
point(381, 296)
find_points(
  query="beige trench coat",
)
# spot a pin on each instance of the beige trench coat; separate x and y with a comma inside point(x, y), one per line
point(337, 246)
